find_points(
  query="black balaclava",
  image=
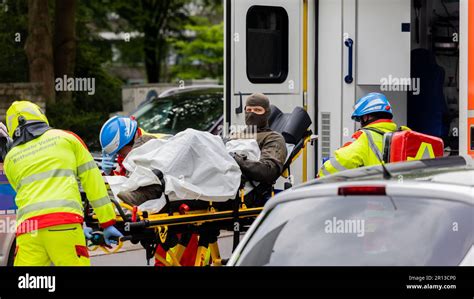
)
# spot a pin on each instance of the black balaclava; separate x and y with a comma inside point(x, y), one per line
point(253, 119)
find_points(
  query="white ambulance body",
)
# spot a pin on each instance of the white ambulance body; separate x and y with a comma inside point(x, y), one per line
point(325, 54)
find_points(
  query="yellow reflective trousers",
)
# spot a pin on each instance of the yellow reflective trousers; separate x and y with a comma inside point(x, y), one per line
point(61, 245)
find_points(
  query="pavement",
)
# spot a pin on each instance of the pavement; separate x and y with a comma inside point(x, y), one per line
point(134, 255)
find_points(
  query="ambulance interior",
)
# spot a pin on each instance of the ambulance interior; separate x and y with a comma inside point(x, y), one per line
point(430, 103)
point(435, 60)
point(434, 107)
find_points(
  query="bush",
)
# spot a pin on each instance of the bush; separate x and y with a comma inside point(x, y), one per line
point(87, 113)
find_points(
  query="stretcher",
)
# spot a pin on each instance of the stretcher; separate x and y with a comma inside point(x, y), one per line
point(174, 226)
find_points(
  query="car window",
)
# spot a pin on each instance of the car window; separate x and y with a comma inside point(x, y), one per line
point(197, 111)
point(154, 116)
point(362, 231)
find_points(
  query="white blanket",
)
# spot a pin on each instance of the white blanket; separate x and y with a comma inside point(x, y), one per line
point(196, 165)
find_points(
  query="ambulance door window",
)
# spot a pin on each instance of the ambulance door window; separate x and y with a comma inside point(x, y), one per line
point(267, 44)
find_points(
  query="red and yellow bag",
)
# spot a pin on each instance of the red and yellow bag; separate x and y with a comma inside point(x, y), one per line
point(411, 145)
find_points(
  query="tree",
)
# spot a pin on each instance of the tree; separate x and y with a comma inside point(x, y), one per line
point(65, 43)
point(201, 56)
point(13, 32)
point(39, 49)
point(157, 20)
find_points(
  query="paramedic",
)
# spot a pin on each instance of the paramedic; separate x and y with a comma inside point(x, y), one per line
point(374, 113)
point(118, 136)
point(272, 144)
point(43, 165)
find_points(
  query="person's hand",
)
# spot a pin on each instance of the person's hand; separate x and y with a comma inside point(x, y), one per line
point(108, 163)
point(88, 232)
point(110, 232)
point(3, 131)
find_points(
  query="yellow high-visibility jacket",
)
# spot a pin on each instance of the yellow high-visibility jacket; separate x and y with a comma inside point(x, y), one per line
point(359, 153)
point(45, 172)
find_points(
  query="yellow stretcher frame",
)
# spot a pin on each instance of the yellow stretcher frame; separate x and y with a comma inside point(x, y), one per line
point(161, 223)
point(207, 254)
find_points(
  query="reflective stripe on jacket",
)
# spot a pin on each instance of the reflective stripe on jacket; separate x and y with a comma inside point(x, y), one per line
point(44, 172)
point(359, 152)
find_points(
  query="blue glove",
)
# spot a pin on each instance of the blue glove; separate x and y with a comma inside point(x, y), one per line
point(87, 232)
point(108, 163)
point(109, 232)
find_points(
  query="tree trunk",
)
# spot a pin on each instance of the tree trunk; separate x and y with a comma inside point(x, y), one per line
point(151, 58)
point(161, 57)
point(38, 48)
point(65, 44)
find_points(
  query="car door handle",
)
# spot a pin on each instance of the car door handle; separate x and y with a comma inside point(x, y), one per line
point(349, 44)
point(239, 109)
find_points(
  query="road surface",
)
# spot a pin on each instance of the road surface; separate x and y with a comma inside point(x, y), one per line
point(134, 255)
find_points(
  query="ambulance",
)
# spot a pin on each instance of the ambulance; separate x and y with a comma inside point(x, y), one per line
point(325, 54)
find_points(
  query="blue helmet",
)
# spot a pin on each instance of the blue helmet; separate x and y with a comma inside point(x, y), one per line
point(117, 132)
point(371, 103)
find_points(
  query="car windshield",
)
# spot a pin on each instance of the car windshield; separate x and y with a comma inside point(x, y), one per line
point(170, 115)
point(362, 231)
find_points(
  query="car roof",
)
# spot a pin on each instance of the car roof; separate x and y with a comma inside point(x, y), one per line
point(179, 90)
point(407, 170)
point(442, 178)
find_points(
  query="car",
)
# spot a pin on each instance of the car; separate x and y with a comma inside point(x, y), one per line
point(7, 220)
point(196, 107)
point(416, 213)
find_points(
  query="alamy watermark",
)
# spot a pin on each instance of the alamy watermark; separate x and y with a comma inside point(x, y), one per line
point(391, 83)
point(8, 226)
point(66, 83)
point(346, 226)
point(46, 282)
point(241, 132)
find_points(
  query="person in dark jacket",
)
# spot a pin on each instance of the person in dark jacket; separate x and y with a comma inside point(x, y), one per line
point(272, 144)
point(266, 170)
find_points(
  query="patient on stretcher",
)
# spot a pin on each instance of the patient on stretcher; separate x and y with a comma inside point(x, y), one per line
point(198, 165)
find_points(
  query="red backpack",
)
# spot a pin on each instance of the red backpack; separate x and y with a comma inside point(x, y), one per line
point(407, 145)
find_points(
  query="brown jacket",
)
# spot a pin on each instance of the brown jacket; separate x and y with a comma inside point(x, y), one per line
point(142, 140)
point(272, 158)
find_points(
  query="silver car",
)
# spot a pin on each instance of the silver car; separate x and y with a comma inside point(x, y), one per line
point(418, 213)
point(7, 220)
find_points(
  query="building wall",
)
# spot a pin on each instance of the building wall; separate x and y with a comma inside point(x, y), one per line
point(10, 92)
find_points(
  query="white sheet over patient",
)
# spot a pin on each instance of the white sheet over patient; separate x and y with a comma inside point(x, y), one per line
point(196, 165)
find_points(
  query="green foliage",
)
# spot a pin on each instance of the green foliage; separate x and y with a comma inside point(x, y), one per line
point(85, 124)
point(13, 25)
point(202, 55)
point(131, 52)
point(191, 30)
point(87, 113)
